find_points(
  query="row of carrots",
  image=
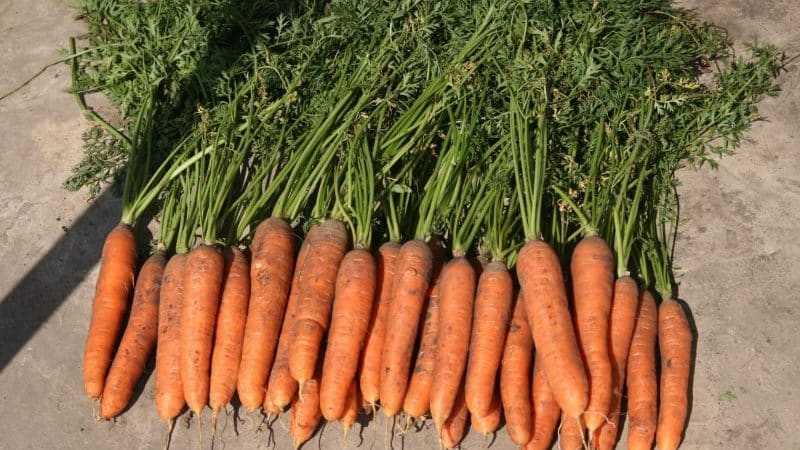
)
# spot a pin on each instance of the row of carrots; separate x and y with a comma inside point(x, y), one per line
point(329, 330)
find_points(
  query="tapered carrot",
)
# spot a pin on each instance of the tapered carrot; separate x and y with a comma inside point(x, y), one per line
point(621, 324)
point(370, 365)
point(412, 275)
point(169, 388)
point(110, 304)
point(452, 342)
point(570, 437)
point(229, 335)
point(271, 269)
point(305, 414)
point(202, 283)
point(489, 423)
point(641, 377)
point(352, 307)
point(351, 408)
point(315, 286)
point(542, 283)
point(515, 372)
point(489, 326)
point(546, 412)
point(452, 431)
point(675, 343)
point(138, 341)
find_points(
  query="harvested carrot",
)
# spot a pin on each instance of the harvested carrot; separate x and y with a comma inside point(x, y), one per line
point(271, 269)
point(138, 341)
point(305, 414)
point(542, 283)
point(489, 327)
point(546, 412)
point(352, 307)
point(452, 430)
point(452, 341)
point(515, 372)
point(169, 388)
point(592, 270)
point(370, 365)
point(110, 304)
point(418, 397)
point(675, 343)
point(315, 286)
point(202, 283)
point(641, 377)
point(351, 408)
point(621, 324)
point(410, 285)
point(571, 434)
point(229, 335)
point(489, 423)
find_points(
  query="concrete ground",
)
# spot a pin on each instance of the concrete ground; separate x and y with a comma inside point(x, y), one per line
point(737, 257)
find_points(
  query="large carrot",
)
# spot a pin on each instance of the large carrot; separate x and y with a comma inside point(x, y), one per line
point(305, 414)
point(570, 436)
point(418, 397)
point(370, 365)
point(412, 275)
point(546, 412)
point(641, 377)
point(228, 339)
point(452, 342)
point(202, 283)
point(542, 283)
point(110, 304)
point(515, 372)
point(489, 423)
point(452, 430)
point(138, 340)
point(675, 343)
point(316, 287)
point(621, 324)
point(169, 388)
point(355, 292)
point(271, 269)
point(489, 327)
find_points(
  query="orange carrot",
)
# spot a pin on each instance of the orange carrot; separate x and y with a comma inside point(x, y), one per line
point(138, 341)
point(489, 423)
point(202, 283)
point(316, 285)
point(489, 327)
point(270, 279)
point(571, 433)
point(169, 389)
point(542, 282)
point(410, 285)
point(305, 415)
point(546, 412)
point(114, 284)
point(452, 342)
point(228, 339)
point(641, 377)
point(675, 343)
point(515, 373)
point(370, 366)
point(452, 430)
point(355, 292)
point(351, 408)
point(621, 324)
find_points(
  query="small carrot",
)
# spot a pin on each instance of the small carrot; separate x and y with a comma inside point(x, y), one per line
point(515, 370)
point(489, 423)
point(271, 269)
point(571, 433)
point(110, 304)
point(546, 412)
point(675, 343)
point(305, 415)
point(355, 292)
point(138, 341)
point(453, 429)
point(169, 388)
point(641, 376)
point(351, 408)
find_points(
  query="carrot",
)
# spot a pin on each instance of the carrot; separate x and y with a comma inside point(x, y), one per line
point(675, 343)
point(270, 279)
point(621, 324)
point(351, 408)
point(542, 282)
point(571, 433)
point(489, 423)
point(410, 285)
point(592, 271)
point(352, 307)
point(370, 365)
point(138, 340)
point(515, 372)
point(229, 335)
point(110, 304)
point(305, 414)
point(452, 342)
point(546, 412)
point(489, 327)
point(452, 430)
point(315, 286)
point(641, 377)
point(202, 283)
point(169, 389)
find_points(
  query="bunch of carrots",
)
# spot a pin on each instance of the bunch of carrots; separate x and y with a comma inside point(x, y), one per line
point(424, 219)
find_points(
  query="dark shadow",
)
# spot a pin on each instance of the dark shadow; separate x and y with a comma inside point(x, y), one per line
point(692, 362)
